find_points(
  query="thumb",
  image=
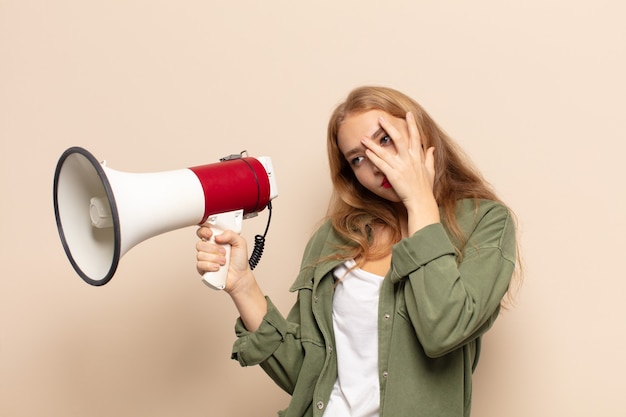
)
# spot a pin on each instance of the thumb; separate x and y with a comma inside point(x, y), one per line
point(227, 237)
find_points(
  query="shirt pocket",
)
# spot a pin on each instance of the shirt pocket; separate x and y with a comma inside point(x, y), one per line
point(309, 330)
point(400, 302)
point(314, 312)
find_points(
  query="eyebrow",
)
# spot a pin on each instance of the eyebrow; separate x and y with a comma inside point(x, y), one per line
point(354, 151)
point(378, 133)
point(360, 149)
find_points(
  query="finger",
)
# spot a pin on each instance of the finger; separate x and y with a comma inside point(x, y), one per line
point(414, 133)
point(373, 147)
point(204, 232)
point(375, 159)
point(377, 155)
point(204, 266)
point(205, 246)
point(211, 257)
point(209, 261)
point(394, 131)
point(381, 154)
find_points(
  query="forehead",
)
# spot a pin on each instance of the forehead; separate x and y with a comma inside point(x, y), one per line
point(355, 126)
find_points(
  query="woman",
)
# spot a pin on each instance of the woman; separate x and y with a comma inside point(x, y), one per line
point(396, 288)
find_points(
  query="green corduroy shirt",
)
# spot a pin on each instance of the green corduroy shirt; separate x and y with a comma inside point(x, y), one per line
point(433, 311)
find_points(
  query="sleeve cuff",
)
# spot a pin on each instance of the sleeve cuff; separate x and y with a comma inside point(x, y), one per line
point(427, 244)
point(252, 348)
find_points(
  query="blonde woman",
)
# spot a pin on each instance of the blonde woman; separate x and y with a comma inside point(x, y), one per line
point(396, 287)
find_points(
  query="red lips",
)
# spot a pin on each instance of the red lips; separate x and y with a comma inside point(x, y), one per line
point(385, 183)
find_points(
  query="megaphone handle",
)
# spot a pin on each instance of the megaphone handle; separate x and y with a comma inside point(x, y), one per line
point(217, 279)
point(219, 223)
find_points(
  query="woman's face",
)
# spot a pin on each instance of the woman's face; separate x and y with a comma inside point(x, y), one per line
point(355, 127)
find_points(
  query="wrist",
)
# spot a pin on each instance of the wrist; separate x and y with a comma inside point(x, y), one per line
point(249, 301)
point(242, 286)
point(422, 215)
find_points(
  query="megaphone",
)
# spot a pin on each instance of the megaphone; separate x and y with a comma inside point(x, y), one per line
point(102, 213)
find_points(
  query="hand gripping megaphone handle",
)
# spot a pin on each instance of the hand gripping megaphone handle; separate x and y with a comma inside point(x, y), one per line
point(219, 223)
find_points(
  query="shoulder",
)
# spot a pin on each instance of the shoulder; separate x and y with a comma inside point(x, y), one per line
point(469, 210)
point(323, 241)
point(487, 223)
point(318, 257)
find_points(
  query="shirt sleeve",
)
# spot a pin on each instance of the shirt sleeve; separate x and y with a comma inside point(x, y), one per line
point(275, 346)
point(451, 303)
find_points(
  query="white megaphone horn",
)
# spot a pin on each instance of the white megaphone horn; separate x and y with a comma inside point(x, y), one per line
point(102, 213)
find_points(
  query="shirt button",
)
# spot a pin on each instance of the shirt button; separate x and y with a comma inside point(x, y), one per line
point(330, 349)
point(385, 374)
point(387, 316)
point(319, 405)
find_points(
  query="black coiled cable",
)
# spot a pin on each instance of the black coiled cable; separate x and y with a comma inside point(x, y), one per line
point(259, 242)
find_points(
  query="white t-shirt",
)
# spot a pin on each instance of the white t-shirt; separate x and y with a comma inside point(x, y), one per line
point(356, 392)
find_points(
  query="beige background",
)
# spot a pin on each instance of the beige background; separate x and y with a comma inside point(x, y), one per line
point(534, 90)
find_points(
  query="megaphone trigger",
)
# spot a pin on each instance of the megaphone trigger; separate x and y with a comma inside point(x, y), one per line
point(219, 223)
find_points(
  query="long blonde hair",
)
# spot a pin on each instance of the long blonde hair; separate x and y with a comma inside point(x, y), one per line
point(354, 210)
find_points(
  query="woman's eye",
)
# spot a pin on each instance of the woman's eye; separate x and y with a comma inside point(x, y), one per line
point(385, 140)
point(355, 162)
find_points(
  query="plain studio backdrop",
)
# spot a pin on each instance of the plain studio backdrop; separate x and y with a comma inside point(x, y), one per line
point(533, 90)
